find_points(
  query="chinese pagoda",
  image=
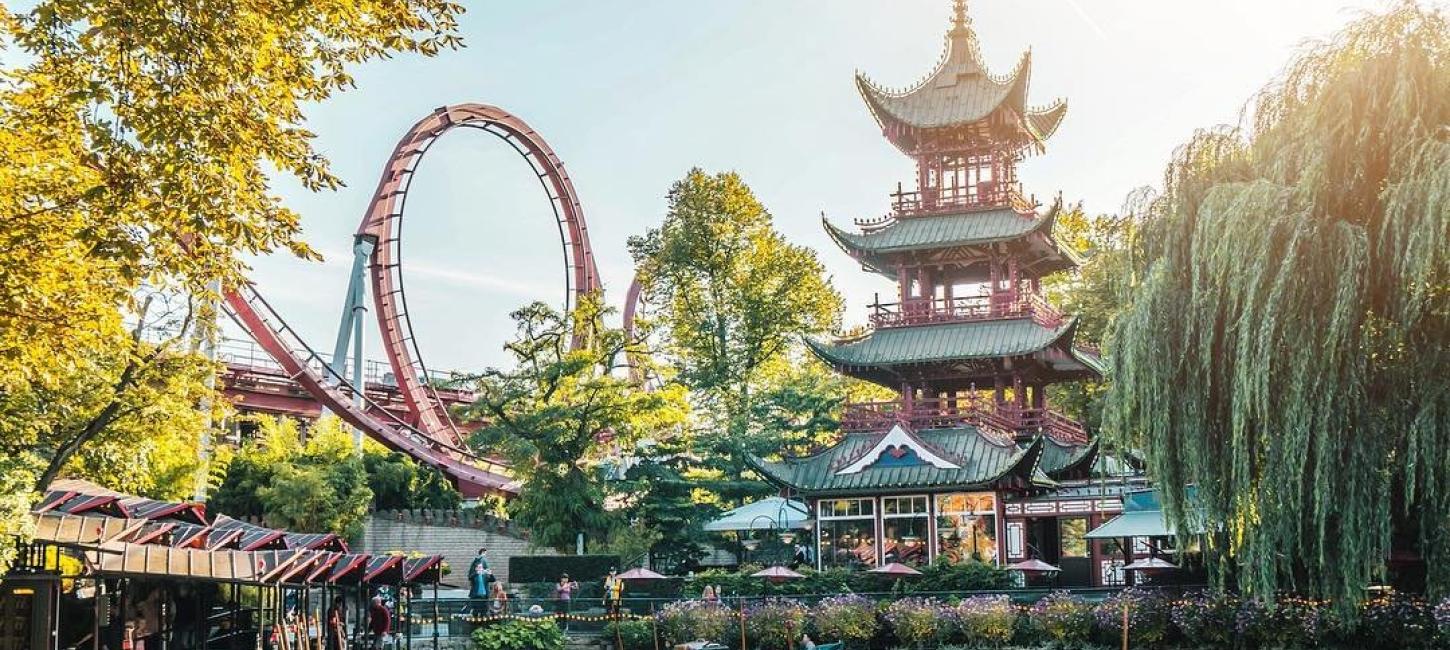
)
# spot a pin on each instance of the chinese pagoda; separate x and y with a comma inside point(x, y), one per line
point(969, 452)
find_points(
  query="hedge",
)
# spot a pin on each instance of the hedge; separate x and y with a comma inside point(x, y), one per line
point(548, 568)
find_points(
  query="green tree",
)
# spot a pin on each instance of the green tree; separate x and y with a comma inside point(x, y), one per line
point(316, 486)
point(1094, 293)
point(560, 412)
point(736, 298)
point(128, 417)
point(1286, 345)
point(136, 144)
point(399, 483)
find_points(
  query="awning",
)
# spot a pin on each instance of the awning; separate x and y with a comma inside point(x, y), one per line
point(765, 514)
point(1142, 517)
point(1143, 523)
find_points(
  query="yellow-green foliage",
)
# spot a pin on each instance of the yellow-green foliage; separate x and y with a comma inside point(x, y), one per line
point(1287, 344)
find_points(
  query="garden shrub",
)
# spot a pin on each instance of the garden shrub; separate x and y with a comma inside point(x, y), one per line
point(1442, 622)
point(943, 575)
point(1395, 622)
point(693, 620)
point(916, 621)
point(1062, 618)
point(519, 634)
point(1148, 617)
point(985, 620)
point(849, 618)
point(633, 635)
point(1205, 618)
point(775, 623)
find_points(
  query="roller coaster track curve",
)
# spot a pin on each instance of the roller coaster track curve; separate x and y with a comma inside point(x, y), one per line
point(431, 437)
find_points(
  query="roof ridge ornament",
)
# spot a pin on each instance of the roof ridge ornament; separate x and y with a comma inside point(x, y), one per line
point(960, 20)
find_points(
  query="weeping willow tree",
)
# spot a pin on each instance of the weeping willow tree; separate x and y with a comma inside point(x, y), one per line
point(1285, 346)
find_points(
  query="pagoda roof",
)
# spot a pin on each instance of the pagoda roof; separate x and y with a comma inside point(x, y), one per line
point(875, 247)
point(1005, 337)
point(1066, 461)
point(973, 460)
point(961, 91)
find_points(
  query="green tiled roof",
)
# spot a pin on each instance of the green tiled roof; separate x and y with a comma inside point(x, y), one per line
point(923, 233)
point(981, 460)
point(943, 342)
point(1064, 461)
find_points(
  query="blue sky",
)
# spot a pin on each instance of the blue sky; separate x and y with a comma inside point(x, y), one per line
point(632, 93)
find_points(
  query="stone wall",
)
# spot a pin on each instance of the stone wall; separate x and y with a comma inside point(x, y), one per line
point(454, 534)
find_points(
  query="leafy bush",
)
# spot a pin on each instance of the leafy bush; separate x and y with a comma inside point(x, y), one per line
point(548, 568)
point(633, 635)
point(848, 618)
point(1062, 618)
point(1148, 616)
point(1207, 619)
point(1396, 622)
point(915, 621)
point(943, 575)
point(985, 620)
point(1442, 621)
point(692, 620)
point(774, 623)
point(519, 634)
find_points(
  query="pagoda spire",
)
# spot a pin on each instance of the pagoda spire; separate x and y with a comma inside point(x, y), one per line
point(961, 23)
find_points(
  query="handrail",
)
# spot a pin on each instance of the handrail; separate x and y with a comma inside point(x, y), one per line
point(923, 311)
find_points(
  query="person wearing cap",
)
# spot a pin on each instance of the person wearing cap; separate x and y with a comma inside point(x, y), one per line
point(613, 591)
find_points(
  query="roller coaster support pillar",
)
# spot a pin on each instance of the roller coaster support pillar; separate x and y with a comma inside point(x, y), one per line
point(354, 310)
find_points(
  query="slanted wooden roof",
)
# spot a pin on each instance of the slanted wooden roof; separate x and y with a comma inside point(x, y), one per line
point(961, 91)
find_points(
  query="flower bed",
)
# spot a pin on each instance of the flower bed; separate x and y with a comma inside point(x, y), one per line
point(1193, 621)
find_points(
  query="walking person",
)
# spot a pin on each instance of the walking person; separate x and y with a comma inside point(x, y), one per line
point(380, 622)
point(479, 576)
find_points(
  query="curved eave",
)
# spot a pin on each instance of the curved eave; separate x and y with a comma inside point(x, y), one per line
point(873, 257)
point(1086, 358)
point(1009, 91)
point(777, 473)
point(829, 352)
point(1023, 471)
point(1079, 466)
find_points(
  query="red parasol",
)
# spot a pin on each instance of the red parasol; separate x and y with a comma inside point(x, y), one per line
point(1033, 565)
point(639, 573)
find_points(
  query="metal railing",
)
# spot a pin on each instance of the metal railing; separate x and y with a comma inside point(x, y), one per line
point(942, 413)
point(246, 354)
point(923, 311)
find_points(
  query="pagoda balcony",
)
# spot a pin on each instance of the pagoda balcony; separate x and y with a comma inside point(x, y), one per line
point(959, 199)
point(925, 311)
point(1008, 419)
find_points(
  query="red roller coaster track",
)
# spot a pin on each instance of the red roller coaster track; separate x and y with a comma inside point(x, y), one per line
point(431, 437)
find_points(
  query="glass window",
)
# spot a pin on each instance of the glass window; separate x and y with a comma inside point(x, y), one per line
point(1072, 531)
point(905, 529)
point(848, 543)
point(903, 505)
point(966, 526)
point(832, 508)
